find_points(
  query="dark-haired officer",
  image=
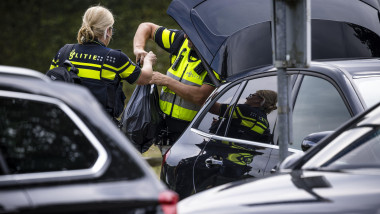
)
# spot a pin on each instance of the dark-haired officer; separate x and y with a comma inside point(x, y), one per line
point(186, 84)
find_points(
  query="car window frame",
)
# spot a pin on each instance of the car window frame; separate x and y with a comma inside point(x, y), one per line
point(96, 170)
point(298, 83)
point(243, 82)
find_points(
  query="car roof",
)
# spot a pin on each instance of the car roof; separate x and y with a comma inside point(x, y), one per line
point(216, 27)
point(359, 67)
point(21, 72)
point(349, 67)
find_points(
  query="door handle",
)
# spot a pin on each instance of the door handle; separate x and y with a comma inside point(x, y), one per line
point(211, 161)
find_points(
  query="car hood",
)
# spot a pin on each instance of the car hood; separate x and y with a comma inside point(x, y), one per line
point(297, 192)
point(224, 31)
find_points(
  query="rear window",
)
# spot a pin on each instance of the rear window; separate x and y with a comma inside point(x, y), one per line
point(238, 15)
point(332, 39)
point(251, 47)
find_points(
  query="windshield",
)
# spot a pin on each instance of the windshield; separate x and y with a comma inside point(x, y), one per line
point(357, 148)
point(369, 88)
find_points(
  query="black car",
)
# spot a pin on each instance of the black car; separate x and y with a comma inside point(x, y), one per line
point(339, 175)
point(342, 81)
point(61, 153)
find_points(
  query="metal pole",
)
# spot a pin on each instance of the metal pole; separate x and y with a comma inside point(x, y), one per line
point(291, 49)
point(279, 27)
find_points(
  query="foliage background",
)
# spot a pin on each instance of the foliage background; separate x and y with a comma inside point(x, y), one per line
point(34, 30)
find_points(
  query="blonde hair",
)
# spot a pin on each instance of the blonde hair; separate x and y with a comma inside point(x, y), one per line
point(96, 20)
point(270, 100)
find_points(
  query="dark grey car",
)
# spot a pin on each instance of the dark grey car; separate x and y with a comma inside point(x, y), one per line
point(234, 39)
point(339, 175)
point(61, 153)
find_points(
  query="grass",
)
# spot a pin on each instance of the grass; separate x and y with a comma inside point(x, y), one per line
point(154, 158)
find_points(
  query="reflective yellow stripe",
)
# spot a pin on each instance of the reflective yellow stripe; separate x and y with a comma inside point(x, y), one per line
point(116, 69)
point(52, 66)
point(172, 39)
point(108, 74)
point(178, 112)
point(127, 71)
point(165, 38)
point(86, 64)
point(88, 73)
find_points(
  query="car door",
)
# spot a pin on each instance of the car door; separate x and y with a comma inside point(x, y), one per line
point(46, 148)
point(319, 105)
point(227, 157)
point(12, 197)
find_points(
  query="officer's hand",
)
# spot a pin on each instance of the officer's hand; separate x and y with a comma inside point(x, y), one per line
point(151, 57)
point(158, 79)
point(140, 55)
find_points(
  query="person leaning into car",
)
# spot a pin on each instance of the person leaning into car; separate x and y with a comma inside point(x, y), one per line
point(249, 120)
point(186, 84)
point(101, 68)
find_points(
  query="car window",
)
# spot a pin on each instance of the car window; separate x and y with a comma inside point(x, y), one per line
point(242, 121)
point(365, 152)
point(250, 122)
point(357, 147)
point(210, 123)
point(235, 17)
point(37, 136)
point(318, 107)
point(369, 88)
point(344, 40)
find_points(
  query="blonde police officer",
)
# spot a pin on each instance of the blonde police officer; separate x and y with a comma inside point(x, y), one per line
point(101, 68)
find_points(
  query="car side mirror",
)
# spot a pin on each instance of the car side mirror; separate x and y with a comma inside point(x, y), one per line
point(312, 139)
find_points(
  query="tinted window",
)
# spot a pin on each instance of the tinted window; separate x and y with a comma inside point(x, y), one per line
point(219, 118)
point(209, 123)
point(319, 107)
point(224, 18)
point(249, 119)
point(236, 16)
point(247, 49)
point(40, 137)
point(343, 40)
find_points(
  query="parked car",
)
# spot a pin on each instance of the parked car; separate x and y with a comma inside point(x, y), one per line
point(61, 153)
point(14, 71)
point(339, 175)
point(234, 40)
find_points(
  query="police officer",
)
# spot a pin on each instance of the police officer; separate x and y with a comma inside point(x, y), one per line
point(101, 69)
point(186, 84)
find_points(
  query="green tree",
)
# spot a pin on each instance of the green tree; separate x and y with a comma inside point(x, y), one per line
point(34, 30)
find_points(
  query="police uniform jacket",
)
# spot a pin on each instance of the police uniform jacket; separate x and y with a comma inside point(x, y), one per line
point(101, 70)
point(187, 68)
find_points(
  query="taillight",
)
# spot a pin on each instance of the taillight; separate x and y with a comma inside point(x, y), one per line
point(168, 201)
point(164, 157)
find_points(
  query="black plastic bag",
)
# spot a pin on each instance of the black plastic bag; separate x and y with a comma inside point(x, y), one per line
point(142, 118)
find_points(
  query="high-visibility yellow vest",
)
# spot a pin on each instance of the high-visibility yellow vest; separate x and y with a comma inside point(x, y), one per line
point(183, 69)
